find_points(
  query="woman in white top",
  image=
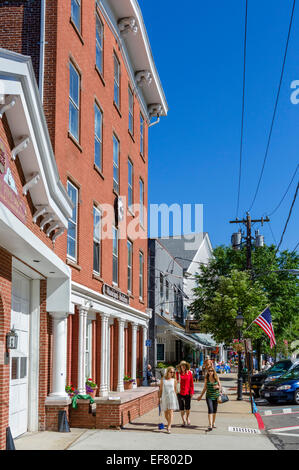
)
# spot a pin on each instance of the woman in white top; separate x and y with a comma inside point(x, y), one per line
point(168, 395)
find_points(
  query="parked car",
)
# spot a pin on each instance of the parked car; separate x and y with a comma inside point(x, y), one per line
point(286, 388)
point(269, 375)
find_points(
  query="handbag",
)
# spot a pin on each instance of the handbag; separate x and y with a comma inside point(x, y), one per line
point(223, 398)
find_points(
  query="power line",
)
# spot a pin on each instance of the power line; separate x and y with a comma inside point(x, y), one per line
point(277, 207)
point(275, 107)
point(295, 248)
point(290, 212)
point(243, 106)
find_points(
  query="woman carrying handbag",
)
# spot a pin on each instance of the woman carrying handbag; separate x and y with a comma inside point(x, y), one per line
point(212, 387)
point(185, 390)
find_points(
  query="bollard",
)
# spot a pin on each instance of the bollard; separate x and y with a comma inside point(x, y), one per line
point(63, 425)
point(9, 440)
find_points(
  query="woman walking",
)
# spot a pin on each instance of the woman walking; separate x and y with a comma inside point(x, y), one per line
point(167, 395)
point(212, 387)
point(185, 390)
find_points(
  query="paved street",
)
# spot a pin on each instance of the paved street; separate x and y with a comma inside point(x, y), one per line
point(282, 424)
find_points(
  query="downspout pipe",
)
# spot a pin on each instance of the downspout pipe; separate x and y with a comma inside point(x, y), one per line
point(42, 49)
point(155, 122)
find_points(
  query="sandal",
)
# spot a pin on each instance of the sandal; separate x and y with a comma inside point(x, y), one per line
point(210, 428)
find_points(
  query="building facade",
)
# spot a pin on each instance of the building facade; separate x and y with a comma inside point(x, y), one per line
point(100, 89)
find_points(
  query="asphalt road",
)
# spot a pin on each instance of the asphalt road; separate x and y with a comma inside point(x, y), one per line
point(282, 424)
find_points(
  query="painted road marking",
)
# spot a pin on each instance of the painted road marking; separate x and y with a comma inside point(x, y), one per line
point(283, 431)
point(244, 430)
point(270, 413)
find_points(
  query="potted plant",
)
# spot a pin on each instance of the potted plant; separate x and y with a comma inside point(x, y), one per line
point(71, 391)
point(128, 382)
point(91, 387)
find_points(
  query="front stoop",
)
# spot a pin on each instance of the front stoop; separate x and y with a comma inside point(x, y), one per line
point(114, 411)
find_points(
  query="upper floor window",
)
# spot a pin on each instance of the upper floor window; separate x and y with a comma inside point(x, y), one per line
point(98, 144)
point(72, 231)
point(141, 202)
point(167, 291)
point(76, 13)
point(141, 272)
point(161, 286)
point(115, 255)
point(131, 111)
point(116, 81)
point(130, 184)
point(115, 164)
point(96, 240)
point(99, 43)
point(130, 265)
point(141, 135)
point(74, 102)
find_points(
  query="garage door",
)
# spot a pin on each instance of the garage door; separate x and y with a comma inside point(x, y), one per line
point(18, 395)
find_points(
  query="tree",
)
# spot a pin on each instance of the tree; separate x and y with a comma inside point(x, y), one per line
point(224, 286)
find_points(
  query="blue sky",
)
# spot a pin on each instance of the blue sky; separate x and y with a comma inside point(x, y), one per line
point(194, 152)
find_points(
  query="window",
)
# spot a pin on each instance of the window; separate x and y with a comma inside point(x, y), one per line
point(74, 102)
point(141, 267)
point(116, 80)
point(96, 240)
point(98, 144)
point(130, 184)
point(72, 223)
point(88, 349)
point(141, 202)
point(131, 112)
point(76, 13)
point(115, 255)
point(141, 135)
point(160, 352)
point(167, 291)
point(115, 164)
point(99, 43)
point(161, 286)
point(130, 265)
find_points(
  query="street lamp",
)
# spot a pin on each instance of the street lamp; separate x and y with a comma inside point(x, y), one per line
point(239, 322)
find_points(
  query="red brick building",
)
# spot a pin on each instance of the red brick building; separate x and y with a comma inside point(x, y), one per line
point(100, 89)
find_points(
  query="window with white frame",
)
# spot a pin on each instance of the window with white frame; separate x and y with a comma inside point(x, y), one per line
point(76, 13)
point(130, 266)
point(72, 231)
point(99, 43)
point(131, 111)
point(88, 349)
point(74, 102)
point(96, 240)
point(115, 255)
point(141, 135)
point(141, 274)
point(115, 164)
point(130, 184)
point(116, 81)
point(98, 139)
point(160, 352)
point(141, 202)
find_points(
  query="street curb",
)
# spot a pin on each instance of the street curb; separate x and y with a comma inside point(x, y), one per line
point(260, 421)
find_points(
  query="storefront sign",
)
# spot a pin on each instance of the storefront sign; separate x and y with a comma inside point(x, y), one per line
point(8, 191)
point(115, 294)
point(192, 326)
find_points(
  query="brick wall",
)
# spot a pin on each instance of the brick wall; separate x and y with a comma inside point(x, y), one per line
point(52, 413)
point(5, 309)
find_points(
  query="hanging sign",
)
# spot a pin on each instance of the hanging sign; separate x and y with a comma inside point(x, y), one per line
point(116, 294)
point(192, 326)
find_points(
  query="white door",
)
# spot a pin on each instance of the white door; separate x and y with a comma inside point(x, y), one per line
point(18, 392)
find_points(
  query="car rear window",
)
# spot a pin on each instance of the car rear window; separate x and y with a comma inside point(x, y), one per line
point(281, 366)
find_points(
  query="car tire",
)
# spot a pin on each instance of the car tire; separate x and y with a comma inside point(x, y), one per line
point(296, 397)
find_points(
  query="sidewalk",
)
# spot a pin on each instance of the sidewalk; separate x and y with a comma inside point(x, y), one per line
point(237, 429)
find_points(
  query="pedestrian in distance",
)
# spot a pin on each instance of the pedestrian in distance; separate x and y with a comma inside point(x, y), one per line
point(207, 363)
point(212, 388)
point(150, 376)
point(168, 396)
point(185, 390)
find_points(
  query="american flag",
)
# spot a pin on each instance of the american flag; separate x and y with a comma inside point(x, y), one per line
point(264, 320)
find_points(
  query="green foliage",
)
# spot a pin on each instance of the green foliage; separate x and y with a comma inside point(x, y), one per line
point(224, 286)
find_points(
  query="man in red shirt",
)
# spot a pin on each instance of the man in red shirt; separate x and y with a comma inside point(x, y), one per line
point(185, 390)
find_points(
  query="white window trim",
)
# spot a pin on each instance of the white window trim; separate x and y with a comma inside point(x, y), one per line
point(75, 223)
point(73, 102)
point(130, 267)
point(100, 140)
point(115, 230)
point(98, 45)
point(114, 165)
point(100, 238)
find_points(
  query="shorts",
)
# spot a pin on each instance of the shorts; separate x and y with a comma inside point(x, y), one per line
point(212, 405)
point(184, 402)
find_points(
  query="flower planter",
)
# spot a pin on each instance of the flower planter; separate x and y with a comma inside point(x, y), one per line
point(93, 393)
point(128, 385)
point(139, 382)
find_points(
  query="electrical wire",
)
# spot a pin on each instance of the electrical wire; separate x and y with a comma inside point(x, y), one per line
point(243, 106)
point(287, 190)
point(275, 107)
point(289, 216)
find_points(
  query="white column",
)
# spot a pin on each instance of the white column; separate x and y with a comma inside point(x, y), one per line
point(144, 354)
point(134, 352)
point(83, 312)
point(59, 356)
point(104, 355)
point(121, 354)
